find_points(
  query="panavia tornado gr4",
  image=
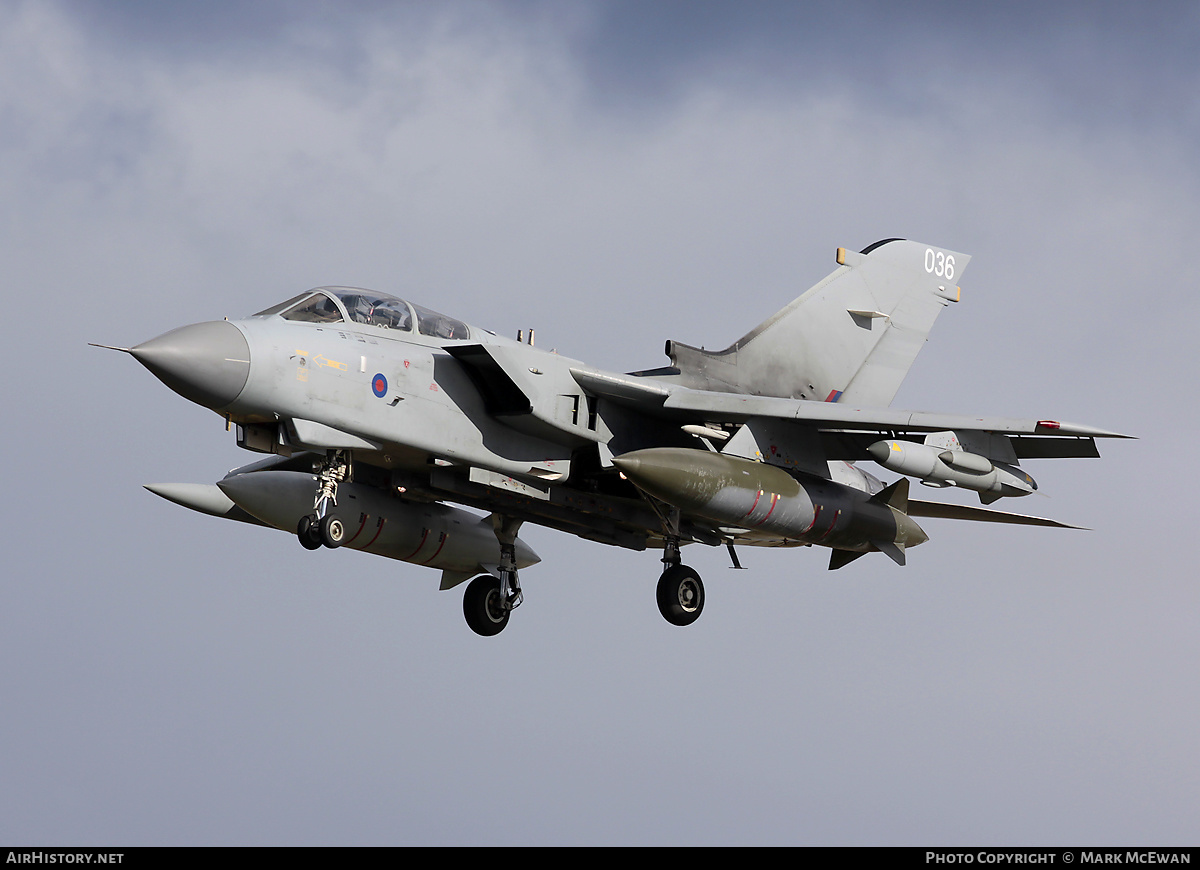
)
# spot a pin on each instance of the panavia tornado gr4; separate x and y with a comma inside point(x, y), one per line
point(382, 420)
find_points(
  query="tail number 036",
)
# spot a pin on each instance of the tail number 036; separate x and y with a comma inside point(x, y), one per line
point(938, 263)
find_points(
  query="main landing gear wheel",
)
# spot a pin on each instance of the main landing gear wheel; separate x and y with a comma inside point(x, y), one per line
point(680, 595)
point(309, 532)
point(484, 607)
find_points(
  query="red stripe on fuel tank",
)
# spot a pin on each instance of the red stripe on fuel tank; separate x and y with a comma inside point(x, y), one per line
point(362, 522)
point(774, 501)
point(424, 535)
point(439, 549)
point(382, 520)
point(837, 514)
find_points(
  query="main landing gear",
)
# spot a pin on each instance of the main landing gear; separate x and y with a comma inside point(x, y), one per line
point(489, 601)
point(680, 595)
point(322, 528)
point(680, 591)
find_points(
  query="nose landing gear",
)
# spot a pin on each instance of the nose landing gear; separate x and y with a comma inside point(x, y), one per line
point(322, 528)
point(680, 595)
point(680, 590)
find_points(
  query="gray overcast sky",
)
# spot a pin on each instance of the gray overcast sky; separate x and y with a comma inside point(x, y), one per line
point(611, 174)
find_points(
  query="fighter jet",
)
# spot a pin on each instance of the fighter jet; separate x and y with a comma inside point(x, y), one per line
point(386, 425)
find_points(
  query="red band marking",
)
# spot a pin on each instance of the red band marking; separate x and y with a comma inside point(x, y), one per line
point(816, 513)
point(441, 544)
point(753, 506)
point(774, 501)
point(382, 520)
point(424, 535)
point(362, 522)
point(831, 525)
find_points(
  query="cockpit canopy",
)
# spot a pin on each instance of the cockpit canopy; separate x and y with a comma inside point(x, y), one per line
point(352, 305)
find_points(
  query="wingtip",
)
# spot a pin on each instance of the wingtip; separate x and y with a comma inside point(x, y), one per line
point(1056, 427)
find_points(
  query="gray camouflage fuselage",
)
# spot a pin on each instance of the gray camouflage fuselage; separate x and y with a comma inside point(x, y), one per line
point(752, 445)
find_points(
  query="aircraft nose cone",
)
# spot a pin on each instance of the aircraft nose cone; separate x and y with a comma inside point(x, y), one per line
point(207, 363)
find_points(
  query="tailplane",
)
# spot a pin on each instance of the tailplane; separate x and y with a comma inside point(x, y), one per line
point(850, 338)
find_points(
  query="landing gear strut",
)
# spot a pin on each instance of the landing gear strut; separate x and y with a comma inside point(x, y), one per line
point(489, 601)
point(322, 528)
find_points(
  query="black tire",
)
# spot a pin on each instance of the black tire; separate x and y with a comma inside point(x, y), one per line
point(482, 606)
point(332, 532)
point(308, 533)
point(680, 595)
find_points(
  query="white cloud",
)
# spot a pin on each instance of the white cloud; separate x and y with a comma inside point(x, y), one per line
point(476, 168)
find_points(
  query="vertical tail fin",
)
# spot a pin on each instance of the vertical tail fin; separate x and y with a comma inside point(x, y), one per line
point(852, 337)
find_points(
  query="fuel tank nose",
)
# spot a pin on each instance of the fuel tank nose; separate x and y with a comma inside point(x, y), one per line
point(206, 363)
point(908, 532)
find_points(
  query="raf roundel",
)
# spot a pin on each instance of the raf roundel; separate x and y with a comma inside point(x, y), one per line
point(379, 385)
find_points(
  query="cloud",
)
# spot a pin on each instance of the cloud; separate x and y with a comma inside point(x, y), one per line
point(612, 175)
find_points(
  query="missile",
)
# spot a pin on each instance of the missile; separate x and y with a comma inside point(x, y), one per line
point(756, 501)
point(937, 466)
point(456, 541)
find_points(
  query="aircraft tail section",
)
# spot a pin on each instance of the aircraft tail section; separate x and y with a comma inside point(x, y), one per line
point(850, 338)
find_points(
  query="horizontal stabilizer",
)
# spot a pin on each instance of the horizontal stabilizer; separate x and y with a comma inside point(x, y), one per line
point(980, 515)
